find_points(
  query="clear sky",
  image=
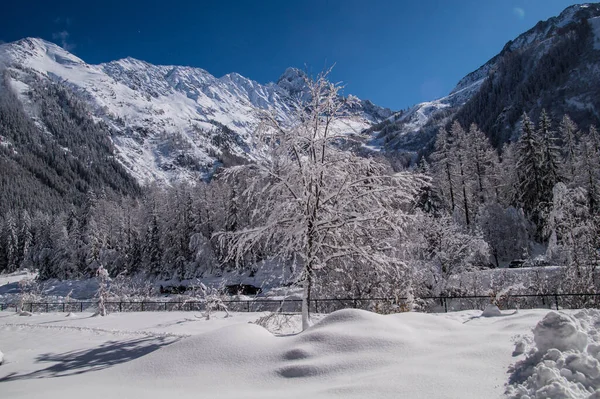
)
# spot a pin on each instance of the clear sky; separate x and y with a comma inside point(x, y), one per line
point(395, 53)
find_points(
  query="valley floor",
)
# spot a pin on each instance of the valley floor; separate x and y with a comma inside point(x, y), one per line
point(348, 354)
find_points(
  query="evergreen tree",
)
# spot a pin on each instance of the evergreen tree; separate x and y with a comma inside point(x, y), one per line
point(152, 249)
point(443, 167)
point(25, 236)
point(569, 137)
point(484, 161)
point(530, 158)
point(587, 169)
point(460, 154)
point(551, 156)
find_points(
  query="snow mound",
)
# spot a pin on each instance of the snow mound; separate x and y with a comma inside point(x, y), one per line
point(342, 341)
point(491, 310)
point(71, 314)
point(560, 332)
point(564, 363)
point(25, 313)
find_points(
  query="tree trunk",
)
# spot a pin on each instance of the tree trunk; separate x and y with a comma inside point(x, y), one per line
point(306, 298)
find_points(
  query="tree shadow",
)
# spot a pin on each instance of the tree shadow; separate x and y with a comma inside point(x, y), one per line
point(10, 288)
point(104, 356)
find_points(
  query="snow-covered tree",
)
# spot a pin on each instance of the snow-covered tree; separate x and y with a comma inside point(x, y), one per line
point(587, 168)
point(530, 158)
point(484, 165)
point(572, 228)
point(463, 170)
point(506, 231)
point(103, 291)
point(444, 248)
point(315, 203)
point(443, 168)
point(569, 135)
point(550, 154)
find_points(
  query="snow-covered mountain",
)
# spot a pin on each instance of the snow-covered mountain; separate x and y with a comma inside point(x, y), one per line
point(167, 123)
point(555, 65)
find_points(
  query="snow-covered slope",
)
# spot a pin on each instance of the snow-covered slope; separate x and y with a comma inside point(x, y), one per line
point(168, 122)
point(414, 129)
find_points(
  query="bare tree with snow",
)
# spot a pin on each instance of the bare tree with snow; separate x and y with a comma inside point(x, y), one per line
point(313, 203)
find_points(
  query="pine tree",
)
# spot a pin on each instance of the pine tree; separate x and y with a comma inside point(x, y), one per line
point(530, 159)
point(484, 161)
point(460, 151)
point(551, 156)
point(11, 242)
point(25, 236)
point(443, 167)
point(153, 250)
point(587, 169)
point(569, 137)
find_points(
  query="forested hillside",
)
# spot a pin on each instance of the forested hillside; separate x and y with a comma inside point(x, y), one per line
point(553, 66)
point(52, 162)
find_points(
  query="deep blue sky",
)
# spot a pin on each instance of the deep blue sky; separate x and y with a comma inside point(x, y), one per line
point(394, 52)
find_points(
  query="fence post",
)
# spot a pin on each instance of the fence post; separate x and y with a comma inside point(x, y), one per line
point(142, 306)
point(31, 307)
point(63, 307)
point(556, 300)
point(316, 306)
point(446, 304)
point(248, 306)
point(81, 304)
point(354, 300)
point(46, 307)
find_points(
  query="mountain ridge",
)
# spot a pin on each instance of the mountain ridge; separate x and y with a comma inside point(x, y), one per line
point(159, 114)
point(414, 130)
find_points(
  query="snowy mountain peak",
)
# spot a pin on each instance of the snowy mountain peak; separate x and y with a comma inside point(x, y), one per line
point(168, 122)
point(293, 81)
point(38, 49)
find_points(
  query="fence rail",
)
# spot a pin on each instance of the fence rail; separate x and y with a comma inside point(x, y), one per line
point(327, 305)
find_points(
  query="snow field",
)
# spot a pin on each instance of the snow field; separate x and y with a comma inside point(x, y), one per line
point(348, 354)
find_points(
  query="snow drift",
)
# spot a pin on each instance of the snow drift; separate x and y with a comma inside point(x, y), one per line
point(564, 362)
point(348, 354)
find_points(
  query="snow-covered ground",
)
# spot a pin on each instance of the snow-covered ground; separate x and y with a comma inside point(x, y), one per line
point(348, 354)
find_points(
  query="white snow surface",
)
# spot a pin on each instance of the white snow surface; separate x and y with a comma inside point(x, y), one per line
point(348, 354)
point(565, 360)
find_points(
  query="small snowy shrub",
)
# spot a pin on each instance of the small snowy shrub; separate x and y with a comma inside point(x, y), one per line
point(103, 292)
